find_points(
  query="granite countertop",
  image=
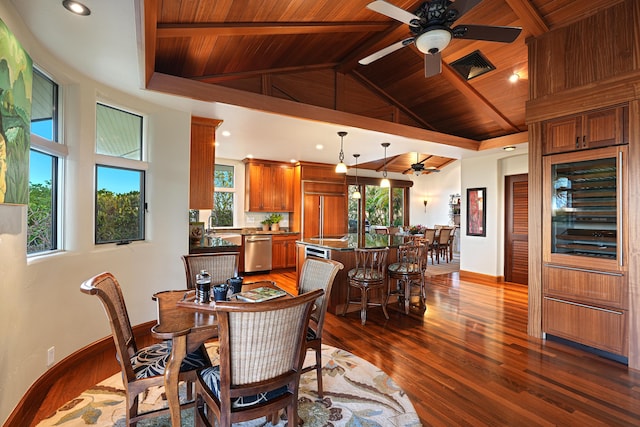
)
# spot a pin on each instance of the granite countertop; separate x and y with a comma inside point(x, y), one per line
point(350, 241)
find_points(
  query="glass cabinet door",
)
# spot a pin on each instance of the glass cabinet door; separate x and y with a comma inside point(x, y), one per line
point(584, 196)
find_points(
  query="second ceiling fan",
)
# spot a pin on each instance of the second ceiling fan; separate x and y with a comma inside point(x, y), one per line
point(432, 32)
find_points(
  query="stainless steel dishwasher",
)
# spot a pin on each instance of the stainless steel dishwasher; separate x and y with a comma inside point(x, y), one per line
point(257, 253)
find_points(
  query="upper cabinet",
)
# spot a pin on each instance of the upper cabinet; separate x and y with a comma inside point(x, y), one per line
point(594, 129)
point(202, 164)
point(269, 186)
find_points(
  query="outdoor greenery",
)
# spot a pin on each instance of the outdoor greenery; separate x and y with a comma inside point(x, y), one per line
point(118, 216)
point(222, 212)
point(377, 206)
point(39, 218)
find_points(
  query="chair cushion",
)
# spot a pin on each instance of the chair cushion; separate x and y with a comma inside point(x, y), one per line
point(311, 334)
point(364, 274)
point(211, 377)
point(404, 267)
point(151, 361)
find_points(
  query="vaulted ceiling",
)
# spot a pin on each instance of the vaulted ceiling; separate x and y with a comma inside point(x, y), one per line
point(300, 58)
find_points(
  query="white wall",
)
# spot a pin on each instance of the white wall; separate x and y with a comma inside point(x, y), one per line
point(41, 304)
point(485, 255)
point(436, 188)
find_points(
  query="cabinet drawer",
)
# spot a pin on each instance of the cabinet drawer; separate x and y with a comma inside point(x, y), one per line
point(591, 326)
point(594, 287)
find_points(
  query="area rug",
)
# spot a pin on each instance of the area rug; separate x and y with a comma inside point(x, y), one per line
point(435, 269)
point(356, 393)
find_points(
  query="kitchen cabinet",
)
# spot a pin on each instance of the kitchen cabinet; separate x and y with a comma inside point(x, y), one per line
point(324, 210)
point(585, 273)
point(284, 250)
point(594, 129)
point(268, 186)
point(202, 162)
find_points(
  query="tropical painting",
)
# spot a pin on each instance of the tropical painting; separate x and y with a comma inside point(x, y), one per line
point(16, 76)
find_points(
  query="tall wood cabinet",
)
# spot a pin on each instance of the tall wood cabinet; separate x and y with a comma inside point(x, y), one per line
point(202, 162)
point(284, 250)
point(268, 186)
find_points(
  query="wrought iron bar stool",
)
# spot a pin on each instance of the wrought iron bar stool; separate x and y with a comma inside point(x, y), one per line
point(408, 271)
point(369, 273)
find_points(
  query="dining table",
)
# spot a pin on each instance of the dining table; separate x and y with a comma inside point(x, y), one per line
point(188, 324)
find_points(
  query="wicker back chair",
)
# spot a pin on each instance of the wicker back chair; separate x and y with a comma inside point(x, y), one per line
point(430, 235)
point(442, 247)
point(262, 348)
point(141, 368)
point(369, 273)
point(408, 271)
point(220, 266)
point(318, 273)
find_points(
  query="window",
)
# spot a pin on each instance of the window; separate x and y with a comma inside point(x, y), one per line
point(223, 196)
point(378, 206)
point(45, 164)
point(120, 176)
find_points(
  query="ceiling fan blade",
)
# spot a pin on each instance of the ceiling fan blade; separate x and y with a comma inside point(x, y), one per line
point(485, 32)
point(432, 64)
point(463, 6)
point(385, 51)
point(392, 11)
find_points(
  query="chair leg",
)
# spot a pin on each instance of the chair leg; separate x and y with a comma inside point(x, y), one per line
point(319, 372)
point(346, 306)
point(363, 306)
point(383, 303)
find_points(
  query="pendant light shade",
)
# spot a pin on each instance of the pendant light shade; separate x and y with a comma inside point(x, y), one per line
point(385, 181)
point(341, 167)
point(356, 194)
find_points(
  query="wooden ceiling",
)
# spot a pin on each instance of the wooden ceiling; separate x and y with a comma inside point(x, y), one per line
point(307, 51)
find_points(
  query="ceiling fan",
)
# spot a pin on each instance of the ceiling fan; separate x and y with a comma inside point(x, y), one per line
point(418, 167)
point(432, 32)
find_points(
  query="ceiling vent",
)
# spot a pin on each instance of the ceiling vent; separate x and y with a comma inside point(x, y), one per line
point(473, 65)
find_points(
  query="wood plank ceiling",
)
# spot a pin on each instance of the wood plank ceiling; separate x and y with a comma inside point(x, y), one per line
point(308, 51)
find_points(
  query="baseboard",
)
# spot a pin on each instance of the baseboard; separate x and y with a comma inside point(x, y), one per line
point(470, 275)
point(26, 409)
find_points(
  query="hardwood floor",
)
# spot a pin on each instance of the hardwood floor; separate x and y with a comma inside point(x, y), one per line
point(467, 360)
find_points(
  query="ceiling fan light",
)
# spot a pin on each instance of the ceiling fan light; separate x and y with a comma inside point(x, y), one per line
point(433, 41)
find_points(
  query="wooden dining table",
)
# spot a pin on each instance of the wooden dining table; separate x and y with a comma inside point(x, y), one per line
point(188, 324)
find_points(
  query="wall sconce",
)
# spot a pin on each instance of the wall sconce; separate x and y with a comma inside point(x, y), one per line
point(425, 201)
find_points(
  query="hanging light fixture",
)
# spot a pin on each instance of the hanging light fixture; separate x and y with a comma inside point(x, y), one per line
point(341, 167)
point(385, 181)
point(356, 194)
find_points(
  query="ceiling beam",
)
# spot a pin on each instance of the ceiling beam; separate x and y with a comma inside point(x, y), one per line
point(504, 141)
point(380, 92)
point(479, 101)
point(167, 84)
point(531, 19)
point(217, 78)
point(266, 28)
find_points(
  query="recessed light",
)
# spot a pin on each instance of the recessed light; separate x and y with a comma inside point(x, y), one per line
point(319, 146)
point(226, 133)
point(509, 148)
point(76, 7)
point(514, 77)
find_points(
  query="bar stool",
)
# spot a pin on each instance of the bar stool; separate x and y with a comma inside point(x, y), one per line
point(408, 271)
point(369, 273)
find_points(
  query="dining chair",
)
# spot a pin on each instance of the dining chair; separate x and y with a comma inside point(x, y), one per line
point(262, 349)
point(317, 273)
point(141, 367)
point(220, 266)
point(430, 235)
point(408, 271)
point(381, 230)
point(442, 245)
point(370, 273)
point(452, 237)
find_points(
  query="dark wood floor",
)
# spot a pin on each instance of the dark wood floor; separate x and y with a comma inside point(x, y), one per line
point(467, 360)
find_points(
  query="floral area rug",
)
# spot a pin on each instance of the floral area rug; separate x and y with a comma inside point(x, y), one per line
point(356, 393)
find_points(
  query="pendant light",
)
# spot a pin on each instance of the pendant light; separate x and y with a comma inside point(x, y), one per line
point(385, 181)
point(341, 167)
point(356, 194)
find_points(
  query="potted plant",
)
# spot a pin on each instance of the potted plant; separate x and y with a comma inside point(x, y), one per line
point(266, 223)
point(275, 221)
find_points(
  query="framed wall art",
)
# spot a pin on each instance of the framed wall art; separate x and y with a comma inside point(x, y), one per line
point(476, 211)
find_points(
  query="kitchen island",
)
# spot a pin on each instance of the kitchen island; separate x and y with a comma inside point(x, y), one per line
point(341, 249)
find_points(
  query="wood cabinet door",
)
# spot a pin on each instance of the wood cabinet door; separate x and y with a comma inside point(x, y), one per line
point(334, 215)
point(202, 162)
point(562, 135)
point(253, 191)
point(291, 251)
point(605, 127)
point(278, 254)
